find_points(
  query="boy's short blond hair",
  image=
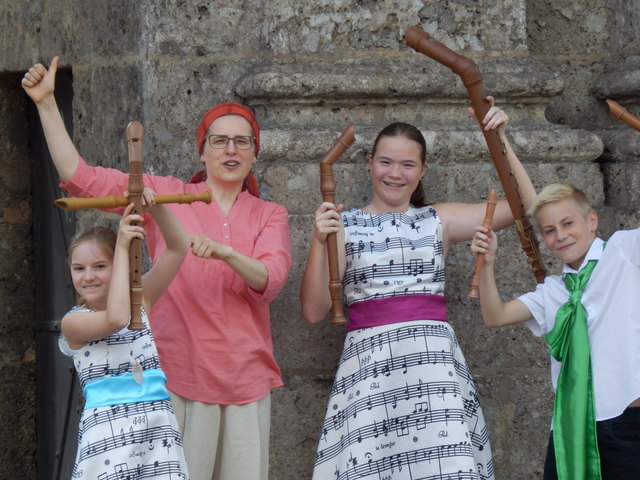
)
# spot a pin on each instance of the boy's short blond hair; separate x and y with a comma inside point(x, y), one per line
point(557, 192)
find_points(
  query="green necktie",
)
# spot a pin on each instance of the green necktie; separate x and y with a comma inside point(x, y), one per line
point(574, 421)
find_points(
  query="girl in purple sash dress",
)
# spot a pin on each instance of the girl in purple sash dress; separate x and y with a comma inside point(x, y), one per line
point(403, 404)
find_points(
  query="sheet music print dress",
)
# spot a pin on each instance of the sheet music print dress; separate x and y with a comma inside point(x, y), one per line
point(403, 405)
point(131, 441)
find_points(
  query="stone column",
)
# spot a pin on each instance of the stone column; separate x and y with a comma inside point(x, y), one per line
point(621, 159)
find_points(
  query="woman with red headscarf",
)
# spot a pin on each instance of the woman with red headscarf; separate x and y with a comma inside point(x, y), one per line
point(212, 325)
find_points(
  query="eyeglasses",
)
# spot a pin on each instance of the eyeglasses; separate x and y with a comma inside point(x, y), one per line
point(242, 142)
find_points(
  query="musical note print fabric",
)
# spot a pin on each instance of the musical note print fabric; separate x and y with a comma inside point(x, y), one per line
point(128, 441)
point(392, 254)
point(403, 404)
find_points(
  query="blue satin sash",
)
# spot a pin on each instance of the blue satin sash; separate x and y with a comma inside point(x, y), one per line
point(122, 388)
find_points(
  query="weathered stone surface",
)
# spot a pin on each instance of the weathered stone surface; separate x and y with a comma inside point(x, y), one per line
point(309, 69)
point(517, 405)
point(622, 184)
point(294, 437)
point(309, 28)
point(18, 404)
point(622, 144)
point(17, 342)
point(112, 92)
point(620, 161)
point(574, 28)
point(409, 74)
point(624, 81)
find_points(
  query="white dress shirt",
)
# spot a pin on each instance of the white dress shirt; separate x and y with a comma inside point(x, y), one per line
point(612, 301)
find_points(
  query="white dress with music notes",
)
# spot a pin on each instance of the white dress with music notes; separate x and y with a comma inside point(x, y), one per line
point(128, 441)
point(403, 404)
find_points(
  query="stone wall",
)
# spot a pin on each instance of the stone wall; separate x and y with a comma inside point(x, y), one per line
point(309, 69)
point(17, 344)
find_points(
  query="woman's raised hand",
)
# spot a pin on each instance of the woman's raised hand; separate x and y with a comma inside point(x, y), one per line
point(39, 83)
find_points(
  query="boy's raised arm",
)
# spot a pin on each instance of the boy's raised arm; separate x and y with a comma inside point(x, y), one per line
point(495, 312)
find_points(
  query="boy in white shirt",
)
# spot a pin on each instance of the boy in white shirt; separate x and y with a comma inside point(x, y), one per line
point(593, 333)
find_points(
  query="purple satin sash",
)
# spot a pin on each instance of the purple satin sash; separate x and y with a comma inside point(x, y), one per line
point(383, 311)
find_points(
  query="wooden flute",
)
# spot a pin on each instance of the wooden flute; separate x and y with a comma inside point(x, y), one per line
point(135, 134)
point(618, 111)
point(328, 188)
point(492, 199)
point(472, 80)
point(113, 201)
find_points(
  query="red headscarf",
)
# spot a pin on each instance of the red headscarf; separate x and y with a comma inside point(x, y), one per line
point(218, 111)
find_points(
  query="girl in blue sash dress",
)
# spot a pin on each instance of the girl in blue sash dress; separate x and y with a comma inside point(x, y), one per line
point(403, 403)
point(128, 428)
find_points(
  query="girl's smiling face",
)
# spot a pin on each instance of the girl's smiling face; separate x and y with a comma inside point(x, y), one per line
point(91, 269)
point(396, 169)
